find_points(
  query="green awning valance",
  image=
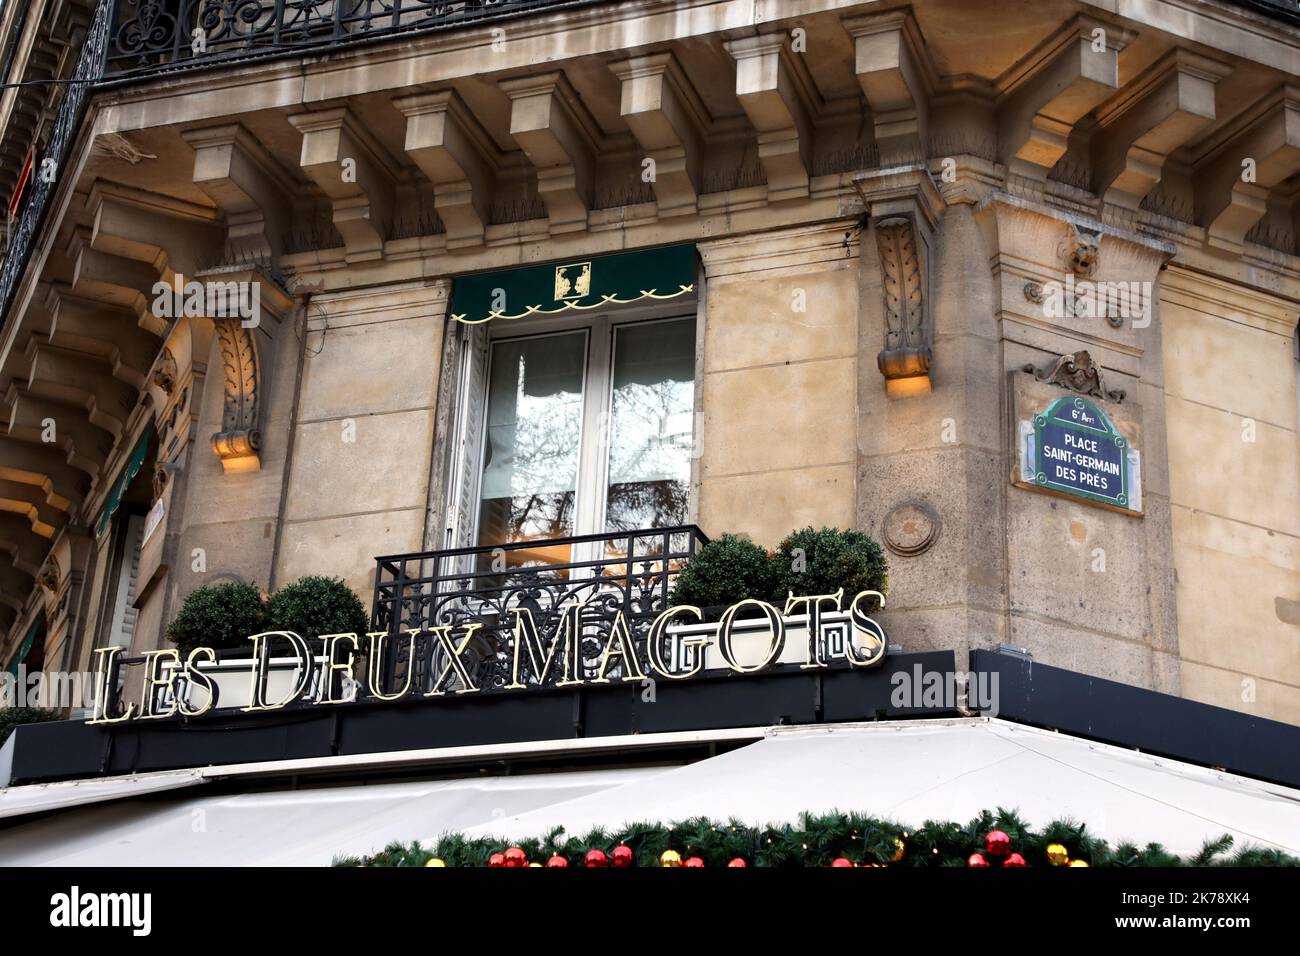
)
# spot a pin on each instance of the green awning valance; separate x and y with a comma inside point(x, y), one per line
point(590, 282)
point(133, 466)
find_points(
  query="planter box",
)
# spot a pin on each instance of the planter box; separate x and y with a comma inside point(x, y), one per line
point(234, 681)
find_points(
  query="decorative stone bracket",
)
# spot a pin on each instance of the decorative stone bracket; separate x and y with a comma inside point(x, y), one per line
point(240, 343)
point(50, 575)
point(240, 438)
point(1080, 250)
point(904, 208)
point(907, 351)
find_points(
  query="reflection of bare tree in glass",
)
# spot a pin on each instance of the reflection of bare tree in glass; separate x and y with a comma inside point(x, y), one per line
point(649, 460)
point(646, 504)
point(540, 458)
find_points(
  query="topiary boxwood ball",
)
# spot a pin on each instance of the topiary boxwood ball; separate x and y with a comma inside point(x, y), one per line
point(820, 562)
point(218, 616)
point(315, 605)
point(726, 570)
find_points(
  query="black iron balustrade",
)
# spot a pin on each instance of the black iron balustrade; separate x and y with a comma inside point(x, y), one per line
point(1288, 10)
point(628, 572)
point(53, 162)
point(152, 35)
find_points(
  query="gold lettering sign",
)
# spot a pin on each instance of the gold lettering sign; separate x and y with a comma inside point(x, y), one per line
point(547, 655)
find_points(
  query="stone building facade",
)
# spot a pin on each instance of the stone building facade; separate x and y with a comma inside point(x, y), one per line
point(911, 228)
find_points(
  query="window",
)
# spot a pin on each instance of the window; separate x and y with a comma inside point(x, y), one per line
point(585, 429)
point(532, 442)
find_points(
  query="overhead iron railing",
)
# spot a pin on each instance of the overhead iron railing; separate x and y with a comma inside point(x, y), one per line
point(52, 164)
point(159, 35)
point(626, 572)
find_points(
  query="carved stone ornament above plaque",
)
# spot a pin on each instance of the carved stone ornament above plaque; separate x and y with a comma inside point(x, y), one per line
point(1078, 373)
point(910, 528)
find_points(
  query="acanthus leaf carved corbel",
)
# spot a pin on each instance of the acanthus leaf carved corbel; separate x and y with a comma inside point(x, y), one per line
point(904, 208)
point(245, 343)
point(239, 442)
point(907, 352)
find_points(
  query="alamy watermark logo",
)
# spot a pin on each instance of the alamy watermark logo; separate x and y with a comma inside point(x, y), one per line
point(214, 300)
point(76, 909)
point(41, 689)
point(1116, 302)
point(920, 689)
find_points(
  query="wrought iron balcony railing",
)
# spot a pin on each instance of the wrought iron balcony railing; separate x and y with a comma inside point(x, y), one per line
point(155, 35)
point(24, 232)
point(632, 572)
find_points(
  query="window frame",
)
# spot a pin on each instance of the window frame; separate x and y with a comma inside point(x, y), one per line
point(601, 328)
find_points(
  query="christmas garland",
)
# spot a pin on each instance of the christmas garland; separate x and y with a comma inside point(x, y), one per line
point(835, 840)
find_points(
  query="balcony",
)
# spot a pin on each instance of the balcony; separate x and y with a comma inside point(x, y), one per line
point(151, 36)
point(629, 572)
point(160, 35)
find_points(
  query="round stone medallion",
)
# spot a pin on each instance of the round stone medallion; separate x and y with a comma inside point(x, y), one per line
point(911, 528)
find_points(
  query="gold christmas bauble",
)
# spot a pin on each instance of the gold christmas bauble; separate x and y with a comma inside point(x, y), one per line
point(434, 861)
point(1078, 863)
point(533, 864)
point(1057, 855)
point(670, 858)
point(899, 850)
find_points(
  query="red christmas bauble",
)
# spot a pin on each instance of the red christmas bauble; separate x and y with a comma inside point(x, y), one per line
point(557, 860)
point(516, 857)
point(738, 861)
point(694, 861)
point(596, 858)
point(622, 856)
point(497, 859)
point(841, 861)
point(1015, 859)
point(997, 843)
point(976, 859)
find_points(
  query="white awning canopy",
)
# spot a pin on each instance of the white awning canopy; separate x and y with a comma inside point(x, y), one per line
point(913, 771)
point(308, 827)
point(907, 771)
point(43, 797)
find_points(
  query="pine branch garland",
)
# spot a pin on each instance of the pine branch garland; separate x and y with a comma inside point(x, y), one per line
point(819, 839)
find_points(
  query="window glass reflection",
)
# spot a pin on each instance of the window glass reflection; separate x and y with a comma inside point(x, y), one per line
point(534, 421)
point(651, 415)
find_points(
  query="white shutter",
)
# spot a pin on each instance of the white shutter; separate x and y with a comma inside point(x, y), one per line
point(124, 611)
point(467, 443)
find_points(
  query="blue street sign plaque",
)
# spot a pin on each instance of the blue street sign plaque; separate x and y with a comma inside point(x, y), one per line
point(1073, 448)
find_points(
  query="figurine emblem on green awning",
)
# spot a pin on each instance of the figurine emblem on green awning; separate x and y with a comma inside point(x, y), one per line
point(620, 278)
